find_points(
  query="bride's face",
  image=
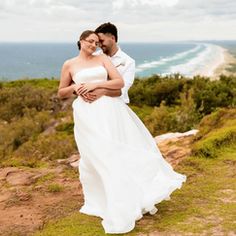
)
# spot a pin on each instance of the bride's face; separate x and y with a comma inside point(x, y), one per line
point(90, 43)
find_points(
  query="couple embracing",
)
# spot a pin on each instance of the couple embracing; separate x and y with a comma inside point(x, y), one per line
point(122, 171)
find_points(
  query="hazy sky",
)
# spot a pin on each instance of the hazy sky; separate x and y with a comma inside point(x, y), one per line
point(137, 20)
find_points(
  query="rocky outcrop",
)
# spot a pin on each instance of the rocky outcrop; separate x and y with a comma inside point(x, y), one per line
point(16, 176)
point(26, 202)
point(71, 161)
point(175, 146)
point(175, 136)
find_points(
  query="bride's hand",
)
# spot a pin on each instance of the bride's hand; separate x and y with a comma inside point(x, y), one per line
point(85, 88)
point(76, 88)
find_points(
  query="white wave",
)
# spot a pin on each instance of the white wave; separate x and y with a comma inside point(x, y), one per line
point(162, 61)
point(203, 64)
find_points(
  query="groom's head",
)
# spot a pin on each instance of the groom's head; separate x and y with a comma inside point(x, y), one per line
point(107, 34)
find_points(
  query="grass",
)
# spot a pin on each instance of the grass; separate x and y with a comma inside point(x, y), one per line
point(205, 202)
point(216, 130)
point(209, 146)
point(46, 178)
point(205, 205)
point(55, 188)
point(42, 83)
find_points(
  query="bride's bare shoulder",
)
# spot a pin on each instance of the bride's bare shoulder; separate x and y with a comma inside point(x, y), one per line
point(102, 57)
point(71, 60)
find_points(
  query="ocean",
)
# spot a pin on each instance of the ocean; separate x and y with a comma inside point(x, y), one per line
point(44, 60)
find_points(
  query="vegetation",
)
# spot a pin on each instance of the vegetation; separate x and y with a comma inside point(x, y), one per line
point(206, 94)
point(36, 126)
point(223, 134)
point(205, 205)
point(55, 188)
point(30, 112)
point(179, 103)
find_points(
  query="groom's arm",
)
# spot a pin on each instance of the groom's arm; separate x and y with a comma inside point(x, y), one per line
point(128, 77)
point(107, 92)
point(97, 93)
point(113, 93)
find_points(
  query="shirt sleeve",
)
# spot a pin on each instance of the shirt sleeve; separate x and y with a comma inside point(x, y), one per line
point(128, 77)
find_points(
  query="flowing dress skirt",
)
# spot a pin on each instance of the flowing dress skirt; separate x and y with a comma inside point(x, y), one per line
point(122, 172)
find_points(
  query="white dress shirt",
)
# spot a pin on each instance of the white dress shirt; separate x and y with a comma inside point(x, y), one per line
point(126, 67)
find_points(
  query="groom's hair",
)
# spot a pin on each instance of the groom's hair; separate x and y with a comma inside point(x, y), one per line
point(107, 28)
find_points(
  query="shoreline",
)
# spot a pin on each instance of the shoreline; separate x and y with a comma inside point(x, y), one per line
point(221, 69)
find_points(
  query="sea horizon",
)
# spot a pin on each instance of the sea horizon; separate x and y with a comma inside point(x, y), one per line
point(44, 59)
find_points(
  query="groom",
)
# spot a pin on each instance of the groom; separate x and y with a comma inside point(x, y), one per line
point(108, 38)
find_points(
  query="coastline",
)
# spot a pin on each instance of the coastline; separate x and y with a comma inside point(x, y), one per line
point(221, 69)
point(211, 62)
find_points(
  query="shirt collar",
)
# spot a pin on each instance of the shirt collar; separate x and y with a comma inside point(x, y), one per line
point(117, 54)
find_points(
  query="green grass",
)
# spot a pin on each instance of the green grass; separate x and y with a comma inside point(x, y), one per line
point(211, 144)
point(42, 83)
point(205, 205)
point(46, 178)
point(202, 205)
point(143, 111)
point(55, 188)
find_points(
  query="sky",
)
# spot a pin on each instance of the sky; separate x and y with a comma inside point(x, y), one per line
point(136, 20)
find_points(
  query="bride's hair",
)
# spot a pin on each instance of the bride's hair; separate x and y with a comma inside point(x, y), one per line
point(85, 35)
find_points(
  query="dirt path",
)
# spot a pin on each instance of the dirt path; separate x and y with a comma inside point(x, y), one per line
point(31, 197)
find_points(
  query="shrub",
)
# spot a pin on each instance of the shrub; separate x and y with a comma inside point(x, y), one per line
point(210, 145)
point(216, 131)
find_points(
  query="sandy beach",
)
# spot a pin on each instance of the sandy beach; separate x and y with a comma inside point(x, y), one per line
point(221, 69)
point(210, 62)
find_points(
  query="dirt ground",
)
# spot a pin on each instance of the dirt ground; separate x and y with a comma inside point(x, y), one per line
point(31, 197)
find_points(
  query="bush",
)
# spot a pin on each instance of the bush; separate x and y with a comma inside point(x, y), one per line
point(210, 145)
point(207, 95)
point(15, 100)
point(178, 118)
point(16, 133)
point(216, 131)
point(155, 89)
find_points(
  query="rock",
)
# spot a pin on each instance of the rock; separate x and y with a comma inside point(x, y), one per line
point(20, 178)
point(175, 146)
point(75, 164)
point(177, 135)
point(51, 128)
point(5, 171)
point(22, 196)
point(62, 161)
point(59, 169)
point(72, 160)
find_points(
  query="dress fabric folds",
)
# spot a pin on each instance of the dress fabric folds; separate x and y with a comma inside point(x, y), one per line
point(122, 171)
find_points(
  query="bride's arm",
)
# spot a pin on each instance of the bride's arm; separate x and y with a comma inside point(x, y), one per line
point(115, 82)
point(66, 89)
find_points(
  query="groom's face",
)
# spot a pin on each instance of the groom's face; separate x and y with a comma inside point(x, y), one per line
point(107, 42)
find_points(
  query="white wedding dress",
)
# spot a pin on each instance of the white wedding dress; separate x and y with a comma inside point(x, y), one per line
point(122, 172)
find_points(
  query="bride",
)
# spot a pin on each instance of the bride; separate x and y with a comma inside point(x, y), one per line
point(122, 172)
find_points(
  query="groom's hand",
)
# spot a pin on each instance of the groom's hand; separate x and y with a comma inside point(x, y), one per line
point(94, 95)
